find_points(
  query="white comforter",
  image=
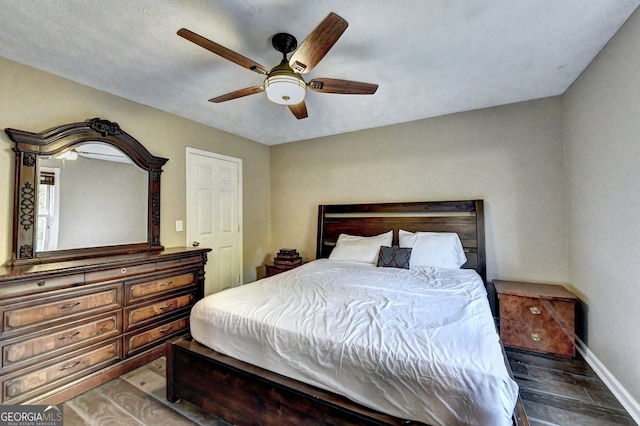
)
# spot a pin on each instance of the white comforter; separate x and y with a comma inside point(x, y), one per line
point(419, 344)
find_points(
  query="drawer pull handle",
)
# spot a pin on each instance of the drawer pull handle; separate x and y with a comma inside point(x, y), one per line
point(536, 337)
point(165, 330)
point(166, 283)
point(69, 306)
point(166, 306)
point(41, 283)
point(535, 310)
point(123, 270)
point(68, 336)
point(70, 366)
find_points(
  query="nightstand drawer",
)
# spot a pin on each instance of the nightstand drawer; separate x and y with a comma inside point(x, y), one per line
point(271, 270)
point(528, 336)
point(537, 311)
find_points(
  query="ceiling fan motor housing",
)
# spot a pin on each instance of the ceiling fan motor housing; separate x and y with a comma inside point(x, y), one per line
point(284, 43)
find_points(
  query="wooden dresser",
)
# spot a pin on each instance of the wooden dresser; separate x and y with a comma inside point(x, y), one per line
point(66, 327)
point(537, 317)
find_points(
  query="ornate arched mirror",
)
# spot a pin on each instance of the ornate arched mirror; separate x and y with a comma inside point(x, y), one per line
point(83, 189)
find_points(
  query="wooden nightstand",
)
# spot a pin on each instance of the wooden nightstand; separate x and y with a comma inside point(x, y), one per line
point(271, 269)
point(537, 317)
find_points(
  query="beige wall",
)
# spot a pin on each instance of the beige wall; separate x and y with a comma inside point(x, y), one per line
point(510, 156)
point(602, 131)
point(34, 100)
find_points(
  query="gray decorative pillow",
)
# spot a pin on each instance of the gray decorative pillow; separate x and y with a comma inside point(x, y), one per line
point(394, 257)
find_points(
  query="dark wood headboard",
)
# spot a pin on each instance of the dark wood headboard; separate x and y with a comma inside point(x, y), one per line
point(466, 218)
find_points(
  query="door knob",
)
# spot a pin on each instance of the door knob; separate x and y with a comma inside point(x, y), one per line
point(195, 243)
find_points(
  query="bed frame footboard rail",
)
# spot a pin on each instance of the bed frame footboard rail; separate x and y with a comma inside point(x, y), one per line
point(247, 395)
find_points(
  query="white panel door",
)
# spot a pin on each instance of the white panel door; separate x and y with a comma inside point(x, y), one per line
point(214, 213)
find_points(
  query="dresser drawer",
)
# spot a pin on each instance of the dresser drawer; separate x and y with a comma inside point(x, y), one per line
point(27, 350)
point(42, 284)
point(64, 370)
point(537, 311)
point(140, 290)
point(178, 263)
point(120, 272)
point(137, 316)
point(137, 342)
point(59, 308)
point(556, 340)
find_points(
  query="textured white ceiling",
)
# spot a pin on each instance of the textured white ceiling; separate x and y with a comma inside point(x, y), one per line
point(430, 57)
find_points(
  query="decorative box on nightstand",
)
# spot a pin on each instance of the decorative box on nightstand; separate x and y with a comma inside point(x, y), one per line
point(285, 260)
point(537, 317)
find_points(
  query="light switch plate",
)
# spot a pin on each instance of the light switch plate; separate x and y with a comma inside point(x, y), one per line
point(179, 226)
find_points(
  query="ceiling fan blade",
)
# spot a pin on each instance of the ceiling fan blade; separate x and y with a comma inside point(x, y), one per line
point(318, 43)
point(299, 110)
point(345, 87)
point(238, 94)
point(222, 51)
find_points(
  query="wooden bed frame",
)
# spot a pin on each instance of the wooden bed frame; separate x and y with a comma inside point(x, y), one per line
point(248, 395)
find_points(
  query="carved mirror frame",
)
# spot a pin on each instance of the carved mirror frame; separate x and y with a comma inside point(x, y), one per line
point(29, 146)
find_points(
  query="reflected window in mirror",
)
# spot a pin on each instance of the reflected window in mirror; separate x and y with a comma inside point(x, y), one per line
point(48, 212)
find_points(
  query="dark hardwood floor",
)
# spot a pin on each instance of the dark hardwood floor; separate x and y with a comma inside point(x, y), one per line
point(560, 391)
point(555, 391)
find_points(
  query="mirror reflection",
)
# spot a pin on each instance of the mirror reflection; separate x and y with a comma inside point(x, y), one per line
point(90, 196)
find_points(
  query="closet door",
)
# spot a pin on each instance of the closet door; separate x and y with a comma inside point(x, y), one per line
point(214, 215)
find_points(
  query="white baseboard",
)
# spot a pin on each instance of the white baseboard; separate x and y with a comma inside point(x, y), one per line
point(621, 394)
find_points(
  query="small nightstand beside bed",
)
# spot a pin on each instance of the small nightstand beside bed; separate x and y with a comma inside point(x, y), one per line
point(537, 317)
point(342, 341)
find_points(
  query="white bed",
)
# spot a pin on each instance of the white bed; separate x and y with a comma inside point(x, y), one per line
point(418, 344)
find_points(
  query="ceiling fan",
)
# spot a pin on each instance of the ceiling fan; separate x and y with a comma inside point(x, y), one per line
point(284, 84)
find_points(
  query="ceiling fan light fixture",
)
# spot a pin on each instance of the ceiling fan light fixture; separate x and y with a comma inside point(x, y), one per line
point(285, 89)
point(283, 86)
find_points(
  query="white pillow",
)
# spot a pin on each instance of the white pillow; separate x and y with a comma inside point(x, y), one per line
point(434, 249)
point(360, 249)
